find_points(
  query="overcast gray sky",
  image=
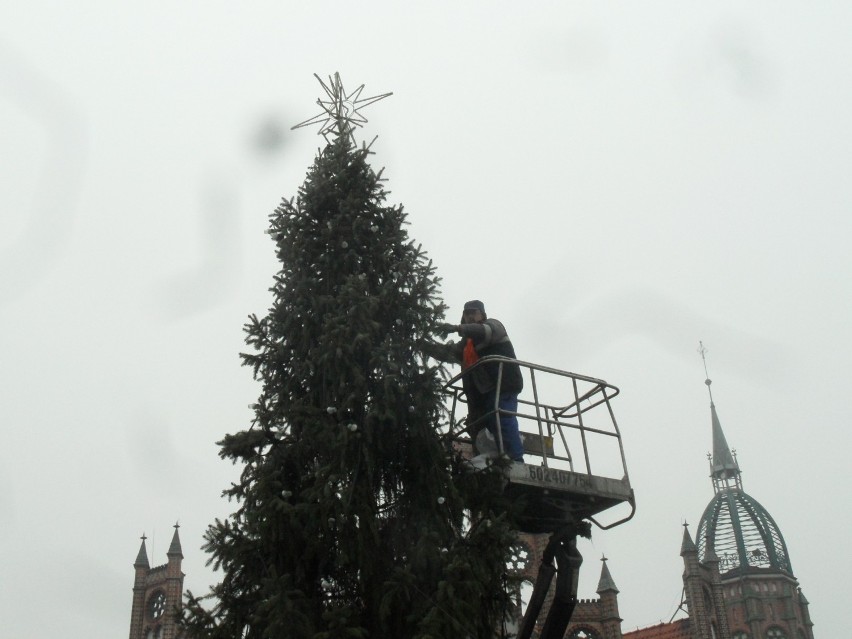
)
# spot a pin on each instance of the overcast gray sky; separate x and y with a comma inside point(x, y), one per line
point(616, 180)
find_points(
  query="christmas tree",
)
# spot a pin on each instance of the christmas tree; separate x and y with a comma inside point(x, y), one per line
point(353, 517)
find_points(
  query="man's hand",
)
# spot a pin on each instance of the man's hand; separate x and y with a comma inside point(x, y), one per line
point(446, 329)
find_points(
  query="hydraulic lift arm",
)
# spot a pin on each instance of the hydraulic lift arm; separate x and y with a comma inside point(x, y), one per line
point(562, 548)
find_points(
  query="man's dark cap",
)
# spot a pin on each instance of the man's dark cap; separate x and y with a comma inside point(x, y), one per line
point(474, 305)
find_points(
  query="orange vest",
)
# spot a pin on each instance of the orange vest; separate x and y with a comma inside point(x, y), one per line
point(469, 355)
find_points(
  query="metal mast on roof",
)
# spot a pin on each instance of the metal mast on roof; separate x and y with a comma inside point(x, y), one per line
point(703, 351)
point(341, 111)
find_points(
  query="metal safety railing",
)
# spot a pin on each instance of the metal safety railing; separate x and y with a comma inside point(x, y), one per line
point(565, 419)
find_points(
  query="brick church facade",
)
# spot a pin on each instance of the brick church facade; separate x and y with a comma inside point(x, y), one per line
point(157, 594)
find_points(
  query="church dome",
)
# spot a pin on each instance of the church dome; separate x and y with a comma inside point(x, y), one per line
point(745, 537)
point(735, 528)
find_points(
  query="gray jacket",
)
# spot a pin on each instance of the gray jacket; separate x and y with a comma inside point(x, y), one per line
point(489, 338)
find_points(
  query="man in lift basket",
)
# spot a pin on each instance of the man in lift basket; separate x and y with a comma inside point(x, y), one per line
point(482, 336)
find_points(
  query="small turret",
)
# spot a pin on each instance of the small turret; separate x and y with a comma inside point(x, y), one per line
point(606, 584)
point(610, 619)
point(710, 556)
point(137, 609)
point(142, 556)
point(174, 547)
point(687, 546)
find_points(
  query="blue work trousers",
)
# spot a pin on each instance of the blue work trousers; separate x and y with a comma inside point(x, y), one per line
point(507, 402)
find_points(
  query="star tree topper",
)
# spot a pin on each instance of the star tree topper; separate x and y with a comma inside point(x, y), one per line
point(340, 113)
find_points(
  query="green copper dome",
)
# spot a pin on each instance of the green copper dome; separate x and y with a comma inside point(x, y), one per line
point(745, 537)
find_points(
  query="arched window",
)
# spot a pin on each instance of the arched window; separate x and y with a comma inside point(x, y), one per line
point(740, 634)
point(157, 605)
point(519, 557)
point(776, 633)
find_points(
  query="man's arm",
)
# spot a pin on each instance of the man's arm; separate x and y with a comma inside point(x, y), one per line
point(491, 331)
point(449, 352)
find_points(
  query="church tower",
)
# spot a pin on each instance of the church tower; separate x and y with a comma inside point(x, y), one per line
point(703, 592)
point(739, 538)
point(157, 594)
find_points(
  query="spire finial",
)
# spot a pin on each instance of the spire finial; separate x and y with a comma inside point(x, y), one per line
point(340, 113)
point(703, 352)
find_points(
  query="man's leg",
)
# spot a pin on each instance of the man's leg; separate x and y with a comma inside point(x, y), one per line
point(507, 402)
point(475, 422)
point(509, 427)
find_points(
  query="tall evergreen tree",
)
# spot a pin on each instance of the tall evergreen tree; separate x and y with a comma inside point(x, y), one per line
point(351, 518)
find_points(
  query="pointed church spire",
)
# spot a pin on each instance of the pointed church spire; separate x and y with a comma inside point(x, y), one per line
point(174, 548)
point(710, 555)
point(687, 545)
point(724, 464)
point(606, 583)
point(142, 557)
point(724, 469)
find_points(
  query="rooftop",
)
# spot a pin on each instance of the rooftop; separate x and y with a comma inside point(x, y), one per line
point(679, 629)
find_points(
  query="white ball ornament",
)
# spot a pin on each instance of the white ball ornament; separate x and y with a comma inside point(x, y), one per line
point(441, 500)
